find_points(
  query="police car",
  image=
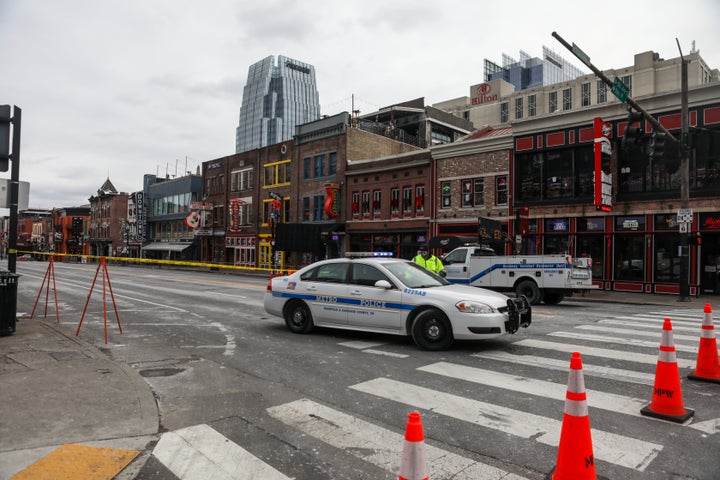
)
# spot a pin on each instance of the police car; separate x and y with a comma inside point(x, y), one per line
point(381, 294)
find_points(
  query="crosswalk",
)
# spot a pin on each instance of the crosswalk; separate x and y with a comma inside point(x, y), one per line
point(618, 349)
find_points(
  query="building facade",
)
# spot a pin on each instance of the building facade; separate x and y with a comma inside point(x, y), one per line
point(634, 239)
point(71, 232)
point(277, 97)
point(169, 228)
point(108, 209)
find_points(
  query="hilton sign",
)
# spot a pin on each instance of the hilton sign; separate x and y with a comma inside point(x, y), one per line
point(484, 94)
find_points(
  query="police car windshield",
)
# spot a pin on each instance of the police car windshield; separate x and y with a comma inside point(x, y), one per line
point(415, 276)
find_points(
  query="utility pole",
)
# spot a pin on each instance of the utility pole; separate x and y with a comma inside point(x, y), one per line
point(684, 180)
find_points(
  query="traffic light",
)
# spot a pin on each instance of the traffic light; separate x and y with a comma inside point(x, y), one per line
point(4, 138)
point(634, 133)
point(656, 147)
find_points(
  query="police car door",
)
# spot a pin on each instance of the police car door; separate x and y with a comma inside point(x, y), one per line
point(328, 293)
point(373, 307)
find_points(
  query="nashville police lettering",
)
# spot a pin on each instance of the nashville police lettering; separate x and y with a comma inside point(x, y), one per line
point(326, 299)
point(372, 303)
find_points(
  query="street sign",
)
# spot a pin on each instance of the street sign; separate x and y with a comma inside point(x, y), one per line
point(684, 215)
point(620, 90)
point(684, 227)
point(581, 55)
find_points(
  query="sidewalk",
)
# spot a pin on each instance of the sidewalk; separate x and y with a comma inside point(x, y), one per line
point(56, 389)
point(670, 301)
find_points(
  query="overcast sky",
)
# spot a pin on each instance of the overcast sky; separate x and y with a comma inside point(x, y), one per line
point(121, 88)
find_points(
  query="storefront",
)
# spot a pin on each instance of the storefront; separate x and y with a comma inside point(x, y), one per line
point(708, 244)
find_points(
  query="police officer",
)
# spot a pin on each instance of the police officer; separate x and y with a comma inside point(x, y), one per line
point(426, 259)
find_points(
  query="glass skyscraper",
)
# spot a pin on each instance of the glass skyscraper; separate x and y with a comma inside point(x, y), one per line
point(277, 97)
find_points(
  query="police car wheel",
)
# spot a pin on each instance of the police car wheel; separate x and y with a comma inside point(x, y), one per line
point(431, 330)
point(298, 318)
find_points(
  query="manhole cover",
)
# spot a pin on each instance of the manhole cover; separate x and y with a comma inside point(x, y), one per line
point(161, 372)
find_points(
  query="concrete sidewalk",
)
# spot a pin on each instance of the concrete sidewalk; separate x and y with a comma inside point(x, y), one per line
point(56, 389)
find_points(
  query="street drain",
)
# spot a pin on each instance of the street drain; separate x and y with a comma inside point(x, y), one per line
point(161, 372)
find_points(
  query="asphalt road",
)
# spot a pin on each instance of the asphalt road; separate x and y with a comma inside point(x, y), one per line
point(334, 404)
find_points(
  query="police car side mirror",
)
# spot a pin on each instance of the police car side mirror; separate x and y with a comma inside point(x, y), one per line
point(383, 284)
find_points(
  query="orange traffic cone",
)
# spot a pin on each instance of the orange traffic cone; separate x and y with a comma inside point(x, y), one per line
point(667, 403)
point(707, 368)
point(575, 460)
point(413, 466)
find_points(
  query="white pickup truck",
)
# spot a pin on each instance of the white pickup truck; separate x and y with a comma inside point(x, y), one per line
point(541, 278)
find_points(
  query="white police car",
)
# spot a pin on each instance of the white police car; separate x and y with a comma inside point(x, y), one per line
point(388, 295)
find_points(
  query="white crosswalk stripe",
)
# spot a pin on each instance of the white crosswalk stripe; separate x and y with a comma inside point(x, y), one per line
point(200, 452)
point(613, 448)
point(377, 445)
point(188, 452)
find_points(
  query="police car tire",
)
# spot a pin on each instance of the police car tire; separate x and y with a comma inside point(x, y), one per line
point(298, 318)
point(431, 330)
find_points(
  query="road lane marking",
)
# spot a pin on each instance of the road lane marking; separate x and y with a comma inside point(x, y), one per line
point(617, 449)
point(562, 365)
point(556, 391)
point(624, 341)
point(387, 354)
point(200, 452)
point(376, 445)
point(600, 352)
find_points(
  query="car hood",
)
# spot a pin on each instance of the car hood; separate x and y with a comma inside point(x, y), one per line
point(455, 292)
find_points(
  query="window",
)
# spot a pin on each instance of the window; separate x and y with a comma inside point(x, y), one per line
point(332, 272)
point(501, 192)
point(213, 186)
point(241, 180)
point(601, 92)
point(519, 108)
point(277, 173)
point(366, 204)
point(532, 105)
point(306, 209)
point(318, 203)
point(395, 201)
point(552, 102)
point(445, 195)
point(332, 163)
point(407, 200)
point(319, 166)
point(307, 165)
point(377, 205)
point(585, 87)
point(419, 199)
point(567, 99)
point(356, 204)
point(219, 216)
point(473, 192)
point(366, 275)
point(503, 112)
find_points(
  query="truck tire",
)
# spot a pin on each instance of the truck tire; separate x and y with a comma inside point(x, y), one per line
point(553, 298)
point(530, 290)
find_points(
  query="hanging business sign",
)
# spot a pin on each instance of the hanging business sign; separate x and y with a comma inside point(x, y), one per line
point(332, 200)
point(603, 173)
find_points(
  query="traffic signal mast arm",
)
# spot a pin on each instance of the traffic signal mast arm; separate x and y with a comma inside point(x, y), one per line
point(582, 56)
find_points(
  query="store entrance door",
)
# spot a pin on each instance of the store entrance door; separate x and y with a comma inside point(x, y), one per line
point(710, 265)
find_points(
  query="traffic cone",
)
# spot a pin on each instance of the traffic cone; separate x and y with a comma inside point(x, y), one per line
point(575, 460)
point(667, 403)
point(413, 466)
point(707, 368)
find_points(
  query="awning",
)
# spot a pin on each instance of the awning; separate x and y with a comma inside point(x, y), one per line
point(172, 247)
point(450, 242)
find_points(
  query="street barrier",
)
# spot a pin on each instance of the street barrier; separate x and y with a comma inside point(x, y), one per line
point(667, 402)
point(49, 274)
point(707, 368)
